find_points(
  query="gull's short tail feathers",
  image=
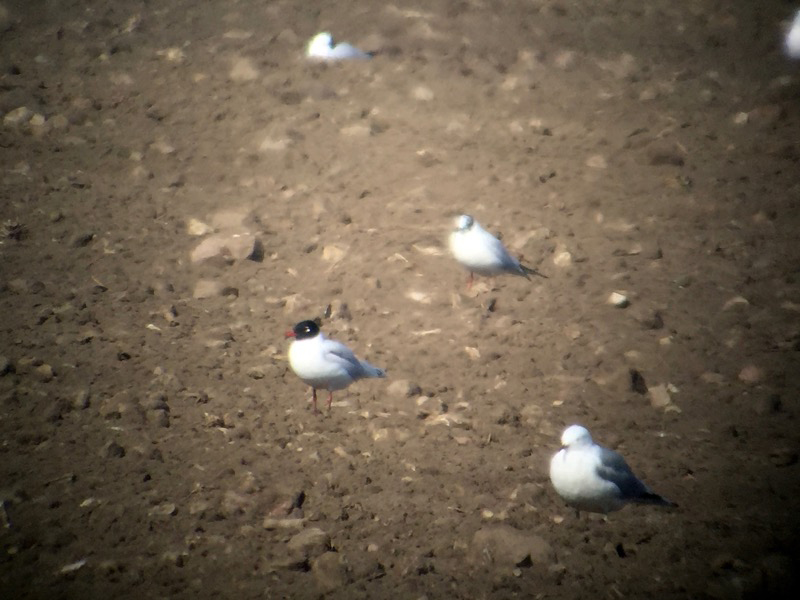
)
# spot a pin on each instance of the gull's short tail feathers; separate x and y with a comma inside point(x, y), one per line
point(529, 271)
point(653, 498)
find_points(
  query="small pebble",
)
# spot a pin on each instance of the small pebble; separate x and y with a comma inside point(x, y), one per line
point(751, 374)
point(422, 93)
point(618, 299)
point(562, 259)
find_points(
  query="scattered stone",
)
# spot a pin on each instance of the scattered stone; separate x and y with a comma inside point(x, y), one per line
point(243, 70)
point(156, 401)
point(59, 121)
point(199, 506)
point(24, 286)
point(652, 250)
point(735, 302)
point(507, 547)
point(309, 544)
point(712, 377)
point(338, 310)
point(256, 373)
point(357, 130)
point(618, 299)
point(57, 409)
point(45, 372)
point(741, 118)
point(235, 504)
point(82, 239)
point(649, 319)
point(283, 522)
point(422, 93)
point(333, 254)
point(6, 366)
point(173, 55)
point(403, 388)
point(160, 418)
point(472, 352)
point(235, 220)
point(417, 296)
point(13, 230)
point(229, 246)
point(597, 161)
point(751, 374)
point(197, 228)
point(767, 405)
point(72, 567)
point(165, 509)
point(175, 558)
point(269, 144)
point(665, 155)
point(112, 450)
point(659, 396)
point(638, 384)
point(633, 250)
point(565, 59)
point(783, 457)
point(531, 494)
point(563, 259)
point(17, 116)
point(163, 147)
point(207, 288)
point(330, 571)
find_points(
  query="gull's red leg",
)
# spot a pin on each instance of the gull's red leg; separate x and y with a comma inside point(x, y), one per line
point(314, 400)
point(330, 400)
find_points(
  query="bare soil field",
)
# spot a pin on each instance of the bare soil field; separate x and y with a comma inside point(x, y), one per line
point(179, 186)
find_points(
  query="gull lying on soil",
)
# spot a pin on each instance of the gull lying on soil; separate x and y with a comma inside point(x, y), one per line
point(321, 47)
point(592, 478)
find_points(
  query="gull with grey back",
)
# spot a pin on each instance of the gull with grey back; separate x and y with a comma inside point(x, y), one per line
point(480, 252)
point(325, 364)
point(595, 479)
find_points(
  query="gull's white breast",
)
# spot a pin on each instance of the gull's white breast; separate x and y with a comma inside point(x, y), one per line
point(478, 251)
point(573, 473)
point(315, 367)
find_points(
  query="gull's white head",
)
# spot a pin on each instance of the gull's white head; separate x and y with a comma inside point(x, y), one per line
point(575, 435)
point(464, 222)
point(320, 44)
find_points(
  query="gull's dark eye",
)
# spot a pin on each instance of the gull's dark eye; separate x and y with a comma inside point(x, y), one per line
point(305, 330)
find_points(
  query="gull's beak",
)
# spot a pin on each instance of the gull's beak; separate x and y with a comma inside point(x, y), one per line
point(289, 334)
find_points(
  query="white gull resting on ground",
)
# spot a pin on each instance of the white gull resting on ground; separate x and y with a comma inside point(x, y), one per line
point(595, 479)
point(480, 252)
point(321, 47)
point(791, 43)
point(325, 364)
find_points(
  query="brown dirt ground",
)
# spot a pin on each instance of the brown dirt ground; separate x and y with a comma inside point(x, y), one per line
point(147, 433)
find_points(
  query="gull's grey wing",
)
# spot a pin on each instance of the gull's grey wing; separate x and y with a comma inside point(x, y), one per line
point(499, 251)
point(613, 468)
point(343, 356)
point(503, 256)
